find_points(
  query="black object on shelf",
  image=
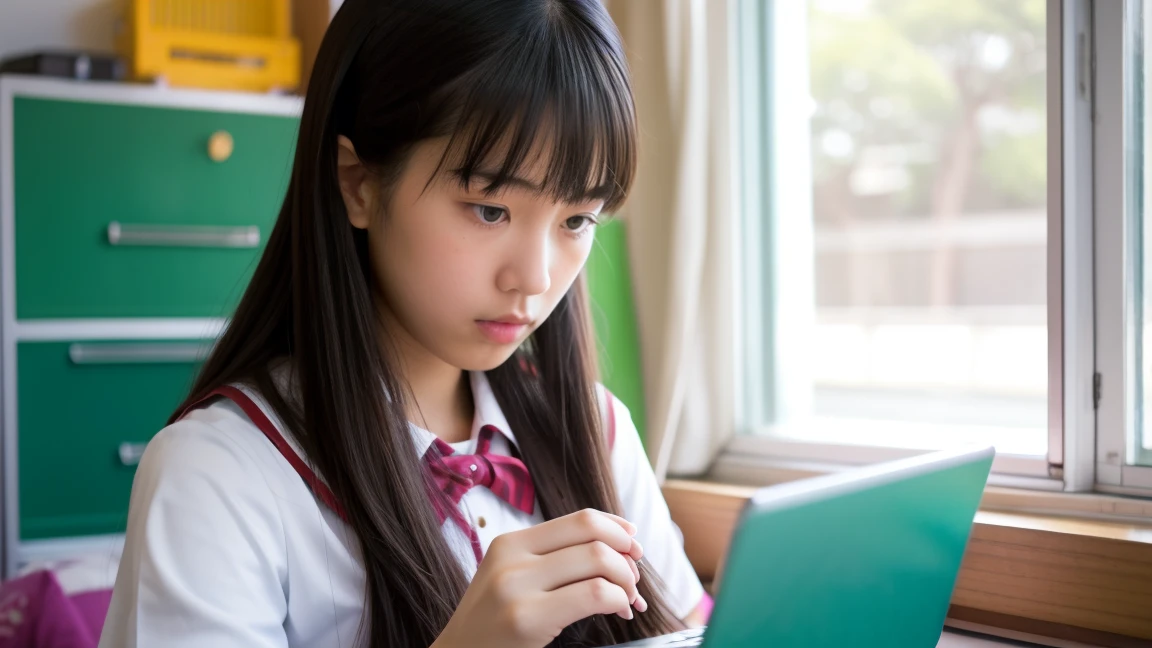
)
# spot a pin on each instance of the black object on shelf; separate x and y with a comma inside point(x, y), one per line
point(69, 65)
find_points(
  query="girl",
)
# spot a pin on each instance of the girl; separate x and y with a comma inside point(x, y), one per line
point(399, 441)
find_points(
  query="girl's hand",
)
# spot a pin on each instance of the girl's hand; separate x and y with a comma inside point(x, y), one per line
point(534, 582)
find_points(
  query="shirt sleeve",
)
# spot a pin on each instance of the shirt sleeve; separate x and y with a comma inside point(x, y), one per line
point(204, 560)
point(644, 506)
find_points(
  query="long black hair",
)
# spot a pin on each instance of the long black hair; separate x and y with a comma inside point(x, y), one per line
point(496, 77)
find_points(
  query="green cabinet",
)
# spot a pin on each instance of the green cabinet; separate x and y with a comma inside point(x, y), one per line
point(86, 409)
point(131, 219)
point(121, 212)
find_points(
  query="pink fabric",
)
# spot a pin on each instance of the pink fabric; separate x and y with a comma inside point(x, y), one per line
point(455, 474)
point(35, 612)
point(705, 608)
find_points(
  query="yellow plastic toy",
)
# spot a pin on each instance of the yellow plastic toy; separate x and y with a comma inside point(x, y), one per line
point(217, 44)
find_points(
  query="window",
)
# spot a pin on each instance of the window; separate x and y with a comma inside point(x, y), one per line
point(929, 181)
point(909, 295)
point(1123, 251)
point(946, 237)
point(1138, 173)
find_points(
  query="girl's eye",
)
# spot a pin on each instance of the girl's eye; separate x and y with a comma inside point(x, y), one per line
point(488, 214)
point(578, 223)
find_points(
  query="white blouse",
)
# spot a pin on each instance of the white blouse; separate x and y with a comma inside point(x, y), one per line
point(228, 547)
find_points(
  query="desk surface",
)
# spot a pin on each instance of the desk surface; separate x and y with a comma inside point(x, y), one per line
point(960, 639)
point(953, 640)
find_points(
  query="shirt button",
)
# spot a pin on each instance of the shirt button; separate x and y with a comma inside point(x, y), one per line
point(472, 467)
point(481, 522)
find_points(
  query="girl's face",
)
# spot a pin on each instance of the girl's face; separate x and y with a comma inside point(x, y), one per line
point(466, 276)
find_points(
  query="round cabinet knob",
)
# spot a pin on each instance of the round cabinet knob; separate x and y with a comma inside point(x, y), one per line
point(220, 146)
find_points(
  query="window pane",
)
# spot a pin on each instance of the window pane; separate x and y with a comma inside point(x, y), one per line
point(1138, 175)
point(929, 223)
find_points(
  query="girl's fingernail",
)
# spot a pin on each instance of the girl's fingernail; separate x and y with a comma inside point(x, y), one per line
point(636, 548)
point(632, 529)
point(640, 604)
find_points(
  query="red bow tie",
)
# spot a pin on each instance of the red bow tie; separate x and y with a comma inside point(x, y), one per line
point(507, 477)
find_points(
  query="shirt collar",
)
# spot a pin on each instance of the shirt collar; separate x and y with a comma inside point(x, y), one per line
point(487, 412)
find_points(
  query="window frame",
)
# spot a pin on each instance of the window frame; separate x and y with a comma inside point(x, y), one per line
point(1116, 274)
point(1088, 387)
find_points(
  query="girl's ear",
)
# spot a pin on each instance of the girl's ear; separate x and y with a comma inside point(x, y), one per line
point(356, 184)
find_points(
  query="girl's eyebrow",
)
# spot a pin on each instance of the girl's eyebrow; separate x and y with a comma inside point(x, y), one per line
point(512, 181)
point(596, 193)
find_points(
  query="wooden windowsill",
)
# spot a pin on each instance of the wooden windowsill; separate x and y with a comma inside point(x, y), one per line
point(1077, 580)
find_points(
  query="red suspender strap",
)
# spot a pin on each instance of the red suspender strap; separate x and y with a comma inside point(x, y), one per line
point(257, 416)
point(265, 425)
point(611, 404)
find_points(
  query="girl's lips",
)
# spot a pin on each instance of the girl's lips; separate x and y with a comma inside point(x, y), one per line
point(501, 332)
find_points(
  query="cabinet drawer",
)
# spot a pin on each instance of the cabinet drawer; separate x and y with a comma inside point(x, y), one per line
point(85, 411)
point(121, 211)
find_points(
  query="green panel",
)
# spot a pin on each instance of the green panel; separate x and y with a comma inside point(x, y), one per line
point(614, 314)
point(873, 568)
point(72, 420)
point(79, 166)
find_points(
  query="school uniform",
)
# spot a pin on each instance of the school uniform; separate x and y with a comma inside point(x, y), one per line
point(232, 540)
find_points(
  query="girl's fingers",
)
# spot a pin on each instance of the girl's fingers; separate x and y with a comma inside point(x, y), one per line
point(639, 603)
point(633, 567)
point(628, 526)
point(580, 528)
point(585, 562)
point(585, 598)
point(636, 551)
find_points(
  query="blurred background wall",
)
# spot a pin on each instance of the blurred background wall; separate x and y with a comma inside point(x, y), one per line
point(38, 24)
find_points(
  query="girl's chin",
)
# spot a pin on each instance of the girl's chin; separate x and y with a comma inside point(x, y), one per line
point(485, 356)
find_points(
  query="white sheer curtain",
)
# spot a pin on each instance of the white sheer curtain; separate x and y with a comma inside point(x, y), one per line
point(681, 220)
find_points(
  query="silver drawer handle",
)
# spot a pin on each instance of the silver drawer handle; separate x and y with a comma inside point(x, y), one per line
point(138, 353)
point(247, 236)
point(130, 453)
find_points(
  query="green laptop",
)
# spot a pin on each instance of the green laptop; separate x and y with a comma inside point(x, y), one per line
point(864, 559)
